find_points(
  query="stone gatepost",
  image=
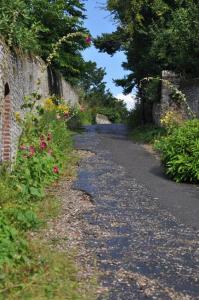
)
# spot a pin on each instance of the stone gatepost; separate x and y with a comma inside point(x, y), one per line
point(166, 101)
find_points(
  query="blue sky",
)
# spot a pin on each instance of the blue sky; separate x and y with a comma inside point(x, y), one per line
point(100, 21)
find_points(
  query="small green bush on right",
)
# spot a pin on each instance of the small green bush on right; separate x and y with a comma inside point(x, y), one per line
point(180, 152)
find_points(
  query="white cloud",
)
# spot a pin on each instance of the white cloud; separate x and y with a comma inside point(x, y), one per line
point(130, 100)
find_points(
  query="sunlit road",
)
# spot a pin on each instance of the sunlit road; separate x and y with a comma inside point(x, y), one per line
point(145, 227)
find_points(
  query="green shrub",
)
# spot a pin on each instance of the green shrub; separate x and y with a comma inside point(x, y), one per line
point(180, 152)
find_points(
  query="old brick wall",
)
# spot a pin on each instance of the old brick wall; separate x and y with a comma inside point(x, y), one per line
point(19, 75)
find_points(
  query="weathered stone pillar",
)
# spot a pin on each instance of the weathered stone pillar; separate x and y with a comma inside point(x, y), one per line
point(167, 76)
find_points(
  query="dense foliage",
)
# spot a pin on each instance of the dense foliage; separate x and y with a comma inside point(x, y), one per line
point(97, 97)
point(177, 144)
point(42, 156)
point(35, 26)
point(180, 151)
point(43, 144)
point(155, 35)
point(29, 269)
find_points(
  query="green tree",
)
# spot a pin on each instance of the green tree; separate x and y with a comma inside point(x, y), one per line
point(176, 45)
point(92, 78)
point(60, 18)
point(97, 97)
point(154, 35)
point(35, 26)
point(17, 27)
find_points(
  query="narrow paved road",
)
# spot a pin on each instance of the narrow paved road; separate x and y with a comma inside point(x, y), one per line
point(145, 227)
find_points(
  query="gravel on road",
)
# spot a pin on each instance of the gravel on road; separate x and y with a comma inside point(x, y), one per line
point(143, 250)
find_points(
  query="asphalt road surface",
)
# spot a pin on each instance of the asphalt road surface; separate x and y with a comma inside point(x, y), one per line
point(145, 227)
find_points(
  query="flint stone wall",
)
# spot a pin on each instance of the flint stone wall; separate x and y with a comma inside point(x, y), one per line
point(191, 90)
point(19, 75)
point(188, 87)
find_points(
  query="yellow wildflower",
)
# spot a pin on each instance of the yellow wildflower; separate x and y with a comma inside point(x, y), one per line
point(49, 105)
point(171, 118)
point(18, 116)
point(63, 108)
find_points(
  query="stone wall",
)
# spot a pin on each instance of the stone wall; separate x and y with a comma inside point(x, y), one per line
point(19, 75)
point(188, 87)
point(191, 90)
point(156, 112)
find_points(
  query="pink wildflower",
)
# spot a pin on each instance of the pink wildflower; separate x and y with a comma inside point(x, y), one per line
point(32, 151)
point(55, 170)
point(88, 40)
point(43, 145)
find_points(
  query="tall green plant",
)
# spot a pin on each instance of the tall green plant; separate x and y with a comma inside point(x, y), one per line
point(42, 147)
point(180, 151)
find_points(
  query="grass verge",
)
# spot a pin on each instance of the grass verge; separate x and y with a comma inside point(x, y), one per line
point(146, 134)
point(29, 268)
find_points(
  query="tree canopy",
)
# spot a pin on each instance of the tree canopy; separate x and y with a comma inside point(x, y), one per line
point(35, 26)
point(155, 35)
